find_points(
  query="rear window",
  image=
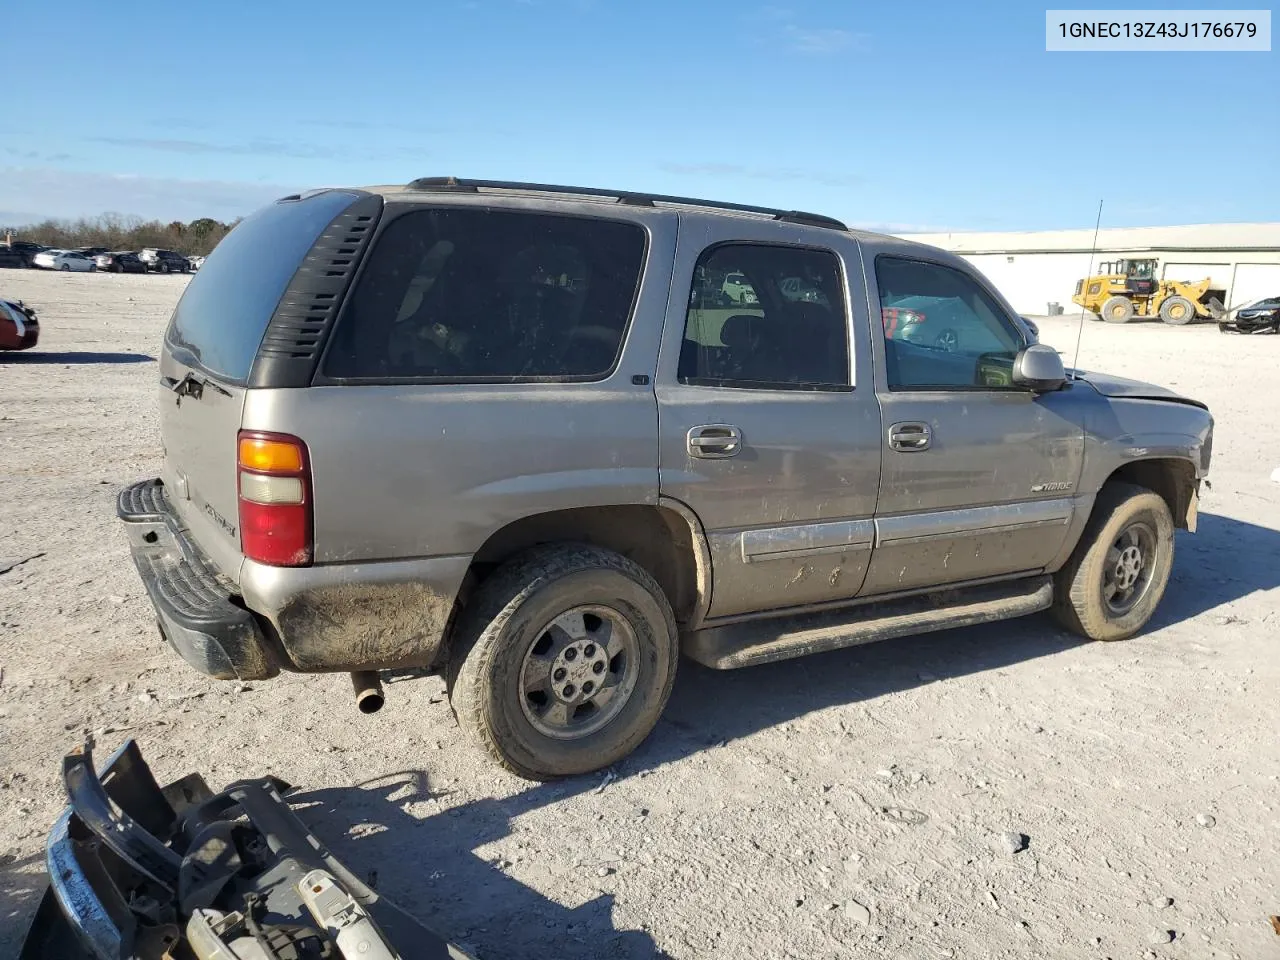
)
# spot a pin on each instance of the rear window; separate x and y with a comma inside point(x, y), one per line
point(489, 295)
point(223, 314)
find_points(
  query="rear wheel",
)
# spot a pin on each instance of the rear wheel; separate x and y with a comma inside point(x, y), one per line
point(563, 661)
point(1177, 311)
point(1117, 310)
point(1117, 574)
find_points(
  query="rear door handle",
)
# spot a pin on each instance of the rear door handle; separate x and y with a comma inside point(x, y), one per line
point(910, 437)
point(714, 441)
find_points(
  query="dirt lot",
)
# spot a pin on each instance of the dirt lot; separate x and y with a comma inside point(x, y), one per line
point(854, 802)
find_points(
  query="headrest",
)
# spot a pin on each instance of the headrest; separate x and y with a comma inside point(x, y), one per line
point(740, 329)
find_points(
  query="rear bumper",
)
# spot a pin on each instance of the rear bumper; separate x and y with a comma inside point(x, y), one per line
point(194, 606)
point(324, 618)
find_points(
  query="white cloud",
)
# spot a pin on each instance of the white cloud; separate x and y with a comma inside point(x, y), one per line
point(39, 192)
point(818, 41)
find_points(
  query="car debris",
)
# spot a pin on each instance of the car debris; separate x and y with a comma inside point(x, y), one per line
point(1256, 317)
point(141, 872)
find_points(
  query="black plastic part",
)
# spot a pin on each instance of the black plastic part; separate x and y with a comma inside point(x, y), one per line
point(457, 185)
point(295, 335)
point(133, 844)
point(195, 610)
point(640, 379)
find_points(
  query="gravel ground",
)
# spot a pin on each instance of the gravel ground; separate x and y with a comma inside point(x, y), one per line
point(865, 801)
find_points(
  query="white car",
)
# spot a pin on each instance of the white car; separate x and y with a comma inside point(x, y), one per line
point(67, 260)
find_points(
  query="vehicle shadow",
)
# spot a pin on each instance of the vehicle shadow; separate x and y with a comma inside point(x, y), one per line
point(74, 357)
point(1224, 561)
point(22, 884)
point(428, 866)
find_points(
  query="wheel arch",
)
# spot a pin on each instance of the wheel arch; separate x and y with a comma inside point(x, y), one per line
point(665, 538)
point(1173, 478)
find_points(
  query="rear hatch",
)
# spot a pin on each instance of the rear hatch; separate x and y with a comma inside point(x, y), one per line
point(208, 358)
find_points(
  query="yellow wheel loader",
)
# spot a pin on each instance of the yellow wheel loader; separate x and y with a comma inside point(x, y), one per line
point(1124, 289)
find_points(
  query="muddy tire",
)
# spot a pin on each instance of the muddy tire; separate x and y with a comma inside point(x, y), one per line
point(563, 661)
point(1177, 311)
point(1116, 576)
point(1117, 310)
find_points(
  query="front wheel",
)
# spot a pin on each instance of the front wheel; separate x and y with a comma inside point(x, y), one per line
point(564, 661)
point(65, 268)
point(164, 268)
point(1116, 576)
point(1177, 311)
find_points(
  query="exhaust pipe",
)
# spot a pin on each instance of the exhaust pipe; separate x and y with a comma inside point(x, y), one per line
point(368, 689)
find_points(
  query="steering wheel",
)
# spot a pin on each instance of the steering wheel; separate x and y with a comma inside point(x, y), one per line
point(947, 340)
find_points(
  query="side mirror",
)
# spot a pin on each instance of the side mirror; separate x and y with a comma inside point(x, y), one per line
point(1039, 368)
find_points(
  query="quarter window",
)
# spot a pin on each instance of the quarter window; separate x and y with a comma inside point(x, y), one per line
point(489, 295)
point(941, 329)
point(766, 317)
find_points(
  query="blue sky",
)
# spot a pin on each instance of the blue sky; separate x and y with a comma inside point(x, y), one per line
point(932, 115)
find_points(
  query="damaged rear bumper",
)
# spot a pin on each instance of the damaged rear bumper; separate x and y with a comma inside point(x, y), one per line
point(323, 618)
point(137, 871)
point(195, 608)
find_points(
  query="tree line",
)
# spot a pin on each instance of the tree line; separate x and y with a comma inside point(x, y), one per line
point(116, 232)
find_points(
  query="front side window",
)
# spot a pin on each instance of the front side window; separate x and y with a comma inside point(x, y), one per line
point(766, 317)
point(941, 329)
point(489, 295)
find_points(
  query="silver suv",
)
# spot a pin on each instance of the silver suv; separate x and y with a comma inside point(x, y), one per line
point(515, 434)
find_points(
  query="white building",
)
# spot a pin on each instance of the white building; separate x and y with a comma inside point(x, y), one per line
point(1035, 269)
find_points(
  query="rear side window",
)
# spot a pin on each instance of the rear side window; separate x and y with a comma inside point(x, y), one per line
point(223, 314)
point(766, 318)
point(489, 295)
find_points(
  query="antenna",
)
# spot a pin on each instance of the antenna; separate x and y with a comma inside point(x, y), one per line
point(1075, 361)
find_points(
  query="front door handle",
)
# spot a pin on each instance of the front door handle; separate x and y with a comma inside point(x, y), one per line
point(910, 437)
point(714, 441)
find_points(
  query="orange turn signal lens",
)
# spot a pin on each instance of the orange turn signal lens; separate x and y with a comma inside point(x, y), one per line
point(270, 456)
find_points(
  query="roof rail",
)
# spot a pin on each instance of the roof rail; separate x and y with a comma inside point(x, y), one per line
point(457, 185)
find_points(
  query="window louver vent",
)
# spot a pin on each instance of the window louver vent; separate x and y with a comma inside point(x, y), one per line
point(305, 314)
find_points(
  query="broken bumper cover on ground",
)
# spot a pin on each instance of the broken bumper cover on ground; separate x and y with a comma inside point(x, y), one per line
point(136, 871)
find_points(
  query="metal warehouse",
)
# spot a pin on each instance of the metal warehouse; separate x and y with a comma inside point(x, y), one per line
point(1035, 269)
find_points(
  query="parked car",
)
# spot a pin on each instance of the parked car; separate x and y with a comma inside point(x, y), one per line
point(26, 249)
point(120, 262)
point(13, 259)
point(485, 429)
point(195, 262)
point(164, 261)
point(92, 252)
point(1256, 317)
point(19, 327)
point(65, 260)
point(738, 289)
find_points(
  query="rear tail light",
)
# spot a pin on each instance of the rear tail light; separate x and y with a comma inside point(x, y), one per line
point(274, 481)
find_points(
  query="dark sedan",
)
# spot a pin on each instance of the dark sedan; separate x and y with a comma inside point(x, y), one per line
point(25, 249)
point(1256, 317)
point(121, 262)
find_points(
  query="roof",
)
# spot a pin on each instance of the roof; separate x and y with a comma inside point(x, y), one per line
point(455, 185)
point(1204, 236)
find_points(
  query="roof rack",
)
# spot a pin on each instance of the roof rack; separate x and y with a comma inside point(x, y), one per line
point(457, 185)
